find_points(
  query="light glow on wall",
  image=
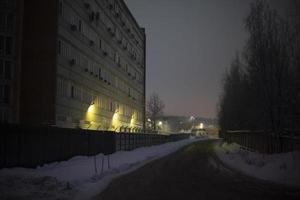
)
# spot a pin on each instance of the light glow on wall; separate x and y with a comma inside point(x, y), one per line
point(116, 122)
point(90, 113)
point(133, 120)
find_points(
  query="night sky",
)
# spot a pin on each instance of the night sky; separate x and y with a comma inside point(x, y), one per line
point(190, 44)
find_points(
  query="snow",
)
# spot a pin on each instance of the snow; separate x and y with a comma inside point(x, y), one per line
point(283, 168)
point(80, 177)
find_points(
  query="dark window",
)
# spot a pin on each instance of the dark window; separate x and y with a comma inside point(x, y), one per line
point(72, 91)
point(7, 70)
point(6, 94)
point(100, 43)
point(100, 73)
point(59, 47)
point(1, 93)
point(80, 25)
point(1, 69)
point(10, 22)
point(2, 22)
point(1, 44)
point(8, 48)
point(60, 7)
point(111, 106)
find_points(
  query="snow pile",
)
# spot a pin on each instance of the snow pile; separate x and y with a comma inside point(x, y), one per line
point(282, 168)
point(80, 177)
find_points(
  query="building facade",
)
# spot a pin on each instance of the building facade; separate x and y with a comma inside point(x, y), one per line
point(10, 40)
point(82, 66)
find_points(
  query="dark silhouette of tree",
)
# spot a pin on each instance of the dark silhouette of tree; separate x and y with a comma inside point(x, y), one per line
point(155, 108)
point(263, 93)
point(234, 98)
point(268, 63)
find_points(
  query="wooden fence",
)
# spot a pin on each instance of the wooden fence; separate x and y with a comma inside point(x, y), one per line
point(262, 142)
point(33, 146)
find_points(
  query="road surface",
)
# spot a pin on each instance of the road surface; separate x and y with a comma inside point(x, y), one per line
point(193, 172)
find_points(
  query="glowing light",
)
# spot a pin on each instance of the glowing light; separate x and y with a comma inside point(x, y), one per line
point(91, 108)
point(149, 120)
point(159, 123)
point(90, 113)
point(115, 122)
point(133, 120)
point(201, 125)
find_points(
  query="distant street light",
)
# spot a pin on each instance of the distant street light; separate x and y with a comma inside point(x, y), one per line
point(201, 125)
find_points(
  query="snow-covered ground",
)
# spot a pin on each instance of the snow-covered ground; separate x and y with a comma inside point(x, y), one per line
point(282, 168)
point(80, 177)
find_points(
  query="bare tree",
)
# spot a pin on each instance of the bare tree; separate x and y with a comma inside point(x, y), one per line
point(268, 62)
point(263, 93)
point(232, 114)
point(155, 108)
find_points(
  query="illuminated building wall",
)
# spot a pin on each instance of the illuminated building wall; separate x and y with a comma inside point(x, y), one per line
point(101, 66)
point(83, 65)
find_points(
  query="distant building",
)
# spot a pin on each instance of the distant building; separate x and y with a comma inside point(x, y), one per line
point(72, 63)
point(179, 124)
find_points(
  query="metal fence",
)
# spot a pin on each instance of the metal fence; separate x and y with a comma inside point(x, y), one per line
point(33, 146)
point(262, 142)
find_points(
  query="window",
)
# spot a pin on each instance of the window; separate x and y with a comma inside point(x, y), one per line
point(1, 45)
point(72, 91)
point(100, 43)
point(59, 47)
point(80, 25)
point(10, 22)
point(99, 73)
point(117, 58)
point(63, 49)
point(4, 93)
point(4, 115)
point(1, 69)
point(2, 22)
point(111, 106)
point(9, 45)
point(7, 70)
point(60, 9)
point(84, 62)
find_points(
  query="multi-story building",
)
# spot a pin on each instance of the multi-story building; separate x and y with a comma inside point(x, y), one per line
point(82, 65)
point(10, 58)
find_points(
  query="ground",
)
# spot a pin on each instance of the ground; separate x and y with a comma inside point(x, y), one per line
point(193, 172)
